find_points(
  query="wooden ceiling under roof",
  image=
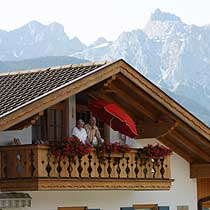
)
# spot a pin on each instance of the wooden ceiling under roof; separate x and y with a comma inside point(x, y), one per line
point(153, 120)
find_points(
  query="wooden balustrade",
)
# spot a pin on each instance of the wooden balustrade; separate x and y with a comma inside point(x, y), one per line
point(35, 165)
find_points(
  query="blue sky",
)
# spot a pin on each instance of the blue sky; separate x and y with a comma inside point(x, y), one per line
point(89, 19)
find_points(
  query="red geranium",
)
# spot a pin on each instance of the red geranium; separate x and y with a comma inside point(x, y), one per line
point(154, 152)
point(112, 148)
point(71, 147)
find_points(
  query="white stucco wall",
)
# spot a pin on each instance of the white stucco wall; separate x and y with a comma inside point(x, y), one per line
point(183, 192)
point(25, 136)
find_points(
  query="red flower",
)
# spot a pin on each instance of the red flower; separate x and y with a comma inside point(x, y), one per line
point(156, 152)
point(71, 147)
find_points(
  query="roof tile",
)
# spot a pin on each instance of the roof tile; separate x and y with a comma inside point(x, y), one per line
point(18, 88)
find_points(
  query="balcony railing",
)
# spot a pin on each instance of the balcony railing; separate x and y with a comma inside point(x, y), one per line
point(34, 167)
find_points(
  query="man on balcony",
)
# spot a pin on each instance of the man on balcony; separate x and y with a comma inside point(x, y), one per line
point(93, 133)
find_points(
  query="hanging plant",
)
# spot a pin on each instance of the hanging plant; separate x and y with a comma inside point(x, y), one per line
point(154, 152)
point(71, 148)
point(104, 149)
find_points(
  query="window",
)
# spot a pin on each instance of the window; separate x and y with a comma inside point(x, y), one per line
point(146, 207)
point(75, 208)
point(163, 207)
point(57, 118)
point(82, 112)
point(52, 126)
point(182, 207)
point(39, 129)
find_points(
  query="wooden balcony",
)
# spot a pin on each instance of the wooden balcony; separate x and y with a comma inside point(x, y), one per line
point(33, 167)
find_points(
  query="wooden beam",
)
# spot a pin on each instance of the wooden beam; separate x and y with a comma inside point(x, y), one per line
point(150, 129)
point(199, 139)
point(172, 128)
point(200, 170)
point(190, 146)
point(142, 94)
point(135, 103)
point(61, 184)
point(109, 81)
point(100, 94)
point(175, 148)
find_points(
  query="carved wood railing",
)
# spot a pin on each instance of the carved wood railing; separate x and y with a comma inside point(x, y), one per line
point(36, 162)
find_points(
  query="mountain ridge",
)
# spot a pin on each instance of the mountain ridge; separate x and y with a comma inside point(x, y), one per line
point(172, 54)
point(35, 39)
point(36, 63)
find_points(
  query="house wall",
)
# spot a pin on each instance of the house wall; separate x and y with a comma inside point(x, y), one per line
point(25, 136)
point(182, 193)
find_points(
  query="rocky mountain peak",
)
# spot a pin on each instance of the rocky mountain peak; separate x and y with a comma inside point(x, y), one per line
point(162, 24)
point(32, 26)
point(56, 27)
point(100, 40)
point(159, 15)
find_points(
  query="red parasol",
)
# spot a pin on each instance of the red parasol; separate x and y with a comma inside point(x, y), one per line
point(114, 116)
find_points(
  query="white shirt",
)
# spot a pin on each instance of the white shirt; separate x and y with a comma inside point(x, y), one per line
point(80, 134)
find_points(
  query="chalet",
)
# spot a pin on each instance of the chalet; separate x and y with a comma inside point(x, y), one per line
point(40, 107)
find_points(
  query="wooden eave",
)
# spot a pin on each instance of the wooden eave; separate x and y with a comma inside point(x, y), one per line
point(185, 134)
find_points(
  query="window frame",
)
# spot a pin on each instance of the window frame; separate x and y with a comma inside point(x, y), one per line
point(146, 206)
point(73, 208)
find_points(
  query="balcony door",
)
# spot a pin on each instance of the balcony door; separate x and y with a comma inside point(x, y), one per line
point(52, 125)
point(83, 112)
point(57, 122)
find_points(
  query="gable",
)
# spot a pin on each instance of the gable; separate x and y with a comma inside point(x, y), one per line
point(181, 131)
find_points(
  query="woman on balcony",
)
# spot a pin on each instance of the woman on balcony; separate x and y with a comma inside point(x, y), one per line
point(79, 131)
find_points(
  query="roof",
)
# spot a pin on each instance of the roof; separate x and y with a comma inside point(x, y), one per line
point(29, 93)
point(20, 88)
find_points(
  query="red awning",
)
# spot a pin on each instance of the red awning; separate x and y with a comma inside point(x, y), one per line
point(114, 116)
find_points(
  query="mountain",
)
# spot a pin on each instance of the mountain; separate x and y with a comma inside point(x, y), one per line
point(172, 54)
point(37, 40)
point(42, 62)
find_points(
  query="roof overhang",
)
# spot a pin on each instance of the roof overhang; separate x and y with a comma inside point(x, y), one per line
point(198, 134)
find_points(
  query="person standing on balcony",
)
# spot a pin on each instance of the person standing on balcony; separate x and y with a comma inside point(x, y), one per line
point(93, 133)
point(79, 131)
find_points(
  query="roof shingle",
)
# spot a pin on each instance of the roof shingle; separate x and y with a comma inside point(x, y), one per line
point(19, 88)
